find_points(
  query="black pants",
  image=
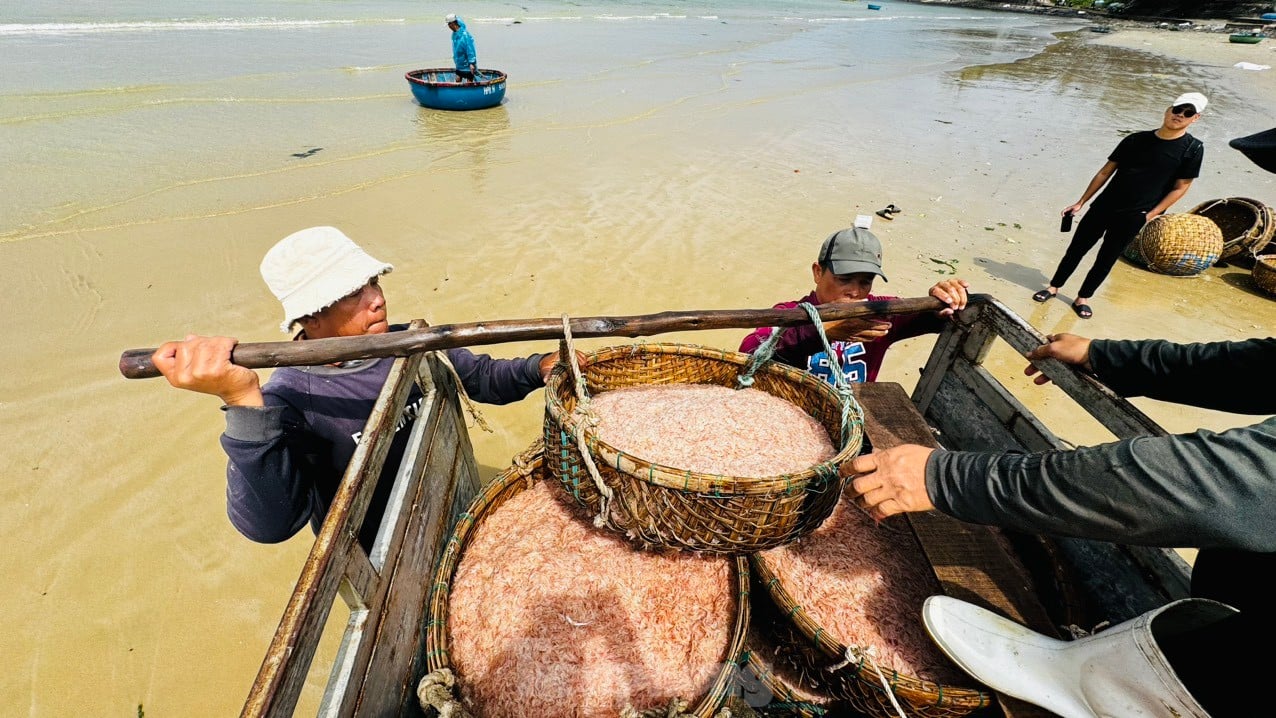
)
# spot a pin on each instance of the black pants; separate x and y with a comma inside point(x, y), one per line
point(1116, 229)
point(1223, 663)
point(465, 75)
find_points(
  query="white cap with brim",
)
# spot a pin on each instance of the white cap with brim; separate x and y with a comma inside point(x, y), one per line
point(852, 250)
point(451, 18)
point(1195, 99)
point(310, 270)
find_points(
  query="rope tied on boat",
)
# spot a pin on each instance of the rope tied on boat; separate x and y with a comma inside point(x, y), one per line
point(465, 396)
point(583, 416)
point(437, 690)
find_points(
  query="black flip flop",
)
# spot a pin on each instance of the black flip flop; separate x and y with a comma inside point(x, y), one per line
point(1042, 296)
point(1082, 310)
point(884, 213)
point(892, 209)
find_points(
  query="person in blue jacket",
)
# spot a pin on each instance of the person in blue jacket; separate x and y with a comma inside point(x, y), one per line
point(463, 54)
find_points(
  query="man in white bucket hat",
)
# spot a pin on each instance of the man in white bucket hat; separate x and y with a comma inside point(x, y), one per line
point(289, 441)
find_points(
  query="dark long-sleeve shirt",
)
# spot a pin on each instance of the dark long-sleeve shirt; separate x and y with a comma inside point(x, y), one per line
point(1205, 489)
point(287, 458)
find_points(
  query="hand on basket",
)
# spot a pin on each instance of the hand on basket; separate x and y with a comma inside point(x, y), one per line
point(549, 360)
point(892, 481)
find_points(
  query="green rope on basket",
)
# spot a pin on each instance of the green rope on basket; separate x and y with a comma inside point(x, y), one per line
point(766, 352)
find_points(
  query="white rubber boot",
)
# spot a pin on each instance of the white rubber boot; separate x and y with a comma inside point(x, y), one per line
point(1117, 673)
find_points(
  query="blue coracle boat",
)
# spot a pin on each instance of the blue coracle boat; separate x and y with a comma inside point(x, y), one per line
point(439, 88)
point(871, 6)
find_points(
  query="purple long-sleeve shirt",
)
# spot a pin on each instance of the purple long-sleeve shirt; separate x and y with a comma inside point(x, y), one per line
point(287, 458)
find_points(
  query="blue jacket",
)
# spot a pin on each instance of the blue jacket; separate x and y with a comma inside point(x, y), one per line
point(463, 54)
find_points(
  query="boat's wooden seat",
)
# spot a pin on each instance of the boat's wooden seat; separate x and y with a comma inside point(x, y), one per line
point(968, 560)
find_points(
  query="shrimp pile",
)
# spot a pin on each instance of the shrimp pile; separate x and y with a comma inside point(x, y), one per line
point(712, 429)
point(550, 617)
point(864, 584)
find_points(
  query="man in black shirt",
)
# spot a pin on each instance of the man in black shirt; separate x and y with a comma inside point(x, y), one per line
point(1149, 172)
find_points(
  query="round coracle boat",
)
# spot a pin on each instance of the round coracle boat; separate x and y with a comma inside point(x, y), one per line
point(439, 88)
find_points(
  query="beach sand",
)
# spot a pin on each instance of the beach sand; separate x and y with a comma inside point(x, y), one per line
point(128, 587)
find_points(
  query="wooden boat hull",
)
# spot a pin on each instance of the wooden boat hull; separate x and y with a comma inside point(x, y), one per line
point(440, 89)
point(1245, 39)
point(384, 652)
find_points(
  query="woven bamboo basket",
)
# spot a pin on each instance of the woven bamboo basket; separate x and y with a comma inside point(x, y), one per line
point(1247, 224)
point(1180, 245)
point(526, 468)
point(655, 505)
point(1264, 273)
point(770, 673)
point(859, 683)
point(1132, 254)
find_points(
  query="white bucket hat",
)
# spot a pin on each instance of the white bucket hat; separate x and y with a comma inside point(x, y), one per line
point(310, 270)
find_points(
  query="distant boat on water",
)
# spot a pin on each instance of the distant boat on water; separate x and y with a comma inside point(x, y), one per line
point(1100, 28)
point(440, 89)
point(871, 6)
point(1246, 38)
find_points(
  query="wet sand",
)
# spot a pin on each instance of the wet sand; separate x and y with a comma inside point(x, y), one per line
point(123, 568)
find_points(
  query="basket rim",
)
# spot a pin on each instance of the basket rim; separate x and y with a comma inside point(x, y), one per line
point(513, 480)
point(912, 687)
point(685, 480)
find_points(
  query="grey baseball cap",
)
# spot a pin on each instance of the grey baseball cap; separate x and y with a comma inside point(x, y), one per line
point(852, 250)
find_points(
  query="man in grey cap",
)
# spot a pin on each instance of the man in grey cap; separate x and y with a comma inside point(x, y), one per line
point(1149, 172)
point(289, 441)
point(850, 260)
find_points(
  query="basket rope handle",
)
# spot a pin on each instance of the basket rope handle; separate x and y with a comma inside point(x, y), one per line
point(583, 415)
point(856, 654)
point(766, 352)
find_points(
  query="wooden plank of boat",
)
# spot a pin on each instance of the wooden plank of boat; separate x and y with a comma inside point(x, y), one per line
point(967, 559)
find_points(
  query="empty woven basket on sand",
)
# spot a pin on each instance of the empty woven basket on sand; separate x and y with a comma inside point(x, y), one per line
point(1247, 224)
point(1264, 273)
point(656, 505)
point(1180, 245)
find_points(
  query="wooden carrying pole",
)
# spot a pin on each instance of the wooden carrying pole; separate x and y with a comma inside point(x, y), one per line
point(136, 363)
